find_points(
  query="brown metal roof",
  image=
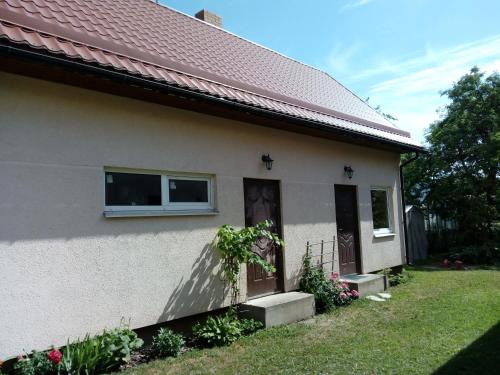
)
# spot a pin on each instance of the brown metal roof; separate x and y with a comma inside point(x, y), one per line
point(159, 43)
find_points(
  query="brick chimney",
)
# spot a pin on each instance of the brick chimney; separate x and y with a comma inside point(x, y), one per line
point(209, 17)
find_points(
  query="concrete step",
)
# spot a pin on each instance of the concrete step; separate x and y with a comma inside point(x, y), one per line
point(279, 309)
point(365, 284)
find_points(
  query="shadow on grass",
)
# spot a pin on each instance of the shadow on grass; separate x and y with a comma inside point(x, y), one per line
point(480, 357)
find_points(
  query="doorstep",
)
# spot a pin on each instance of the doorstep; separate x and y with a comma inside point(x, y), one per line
point(365, 284)
point(282, 308)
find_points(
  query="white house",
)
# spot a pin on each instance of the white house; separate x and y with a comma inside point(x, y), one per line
point(129, 132)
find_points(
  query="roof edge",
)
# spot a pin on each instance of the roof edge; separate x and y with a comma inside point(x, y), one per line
point(34, 54)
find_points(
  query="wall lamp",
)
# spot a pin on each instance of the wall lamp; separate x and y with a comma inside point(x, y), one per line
point(267, 161)
point(348, 171)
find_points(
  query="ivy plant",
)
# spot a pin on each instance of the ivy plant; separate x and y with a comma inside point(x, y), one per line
point(235, 247)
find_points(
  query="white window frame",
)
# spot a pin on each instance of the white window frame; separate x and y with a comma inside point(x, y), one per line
point(166, 206)
point(380, 232)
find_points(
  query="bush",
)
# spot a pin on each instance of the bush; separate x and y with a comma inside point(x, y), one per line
point(84, 356)
point(37, 363)
point(224, 330)
point(218, 330)
point(100, 353)
point(327, 293)
point(117, 346)
point(396, 279)
point(167, 343)
point(249, 326)
point(483, 254)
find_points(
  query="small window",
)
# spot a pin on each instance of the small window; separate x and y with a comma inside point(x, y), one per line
point(132, 189)
point(136, 191)
point(381, 210)
point(186, 190)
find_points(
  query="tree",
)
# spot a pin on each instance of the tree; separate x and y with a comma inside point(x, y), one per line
point(458, 178)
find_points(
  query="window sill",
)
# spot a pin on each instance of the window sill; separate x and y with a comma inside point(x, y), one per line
point(382, 235)
point(153, 213)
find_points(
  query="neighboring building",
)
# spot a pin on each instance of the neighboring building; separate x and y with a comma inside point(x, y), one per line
point(130, 132)
point(418, 246)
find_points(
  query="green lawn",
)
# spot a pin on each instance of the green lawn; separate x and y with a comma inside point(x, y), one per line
point(441, 322)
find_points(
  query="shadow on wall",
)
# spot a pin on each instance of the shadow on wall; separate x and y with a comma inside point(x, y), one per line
point(480, 357)
point(201, 291)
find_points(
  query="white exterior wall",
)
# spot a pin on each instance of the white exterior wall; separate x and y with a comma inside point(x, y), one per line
point(66, 270)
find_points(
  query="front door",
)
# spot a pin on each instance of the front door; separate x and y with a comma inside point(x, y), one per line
point(262, 202)
point(346, 209)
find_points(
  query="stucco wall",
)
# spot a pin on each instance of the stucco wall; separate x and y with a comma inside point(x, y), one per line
point(66, 270)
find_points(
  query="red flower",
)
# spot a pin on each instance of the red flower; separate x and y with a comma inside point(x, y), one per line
point(55, 356)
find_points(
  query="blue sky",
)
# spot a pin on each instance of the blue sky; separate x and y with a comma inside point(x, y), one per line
point(400, 53)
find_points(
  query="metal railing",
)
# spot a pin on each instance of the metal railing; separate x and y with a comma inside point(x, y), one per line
point(320, 253)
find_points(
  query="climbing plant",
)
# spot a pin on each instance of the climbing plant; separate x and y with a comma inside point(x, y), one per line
point(235, 247)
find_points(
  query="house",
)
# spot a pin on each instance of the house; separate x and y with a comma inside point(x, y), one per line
point(130, 132)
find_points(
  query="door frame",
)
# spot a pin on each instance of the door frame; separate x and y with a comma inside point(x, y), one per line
point(357, 234)
point(280, 271)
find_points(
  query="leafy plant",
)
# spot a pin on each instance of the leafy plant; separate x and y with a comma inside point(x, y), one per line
point(218, 330)
point(117, 347)
point(327, 293)
point(249, 326)
point(483, 254)
point(167, 343)
point(396, 278)
point(84, 356)
point(235, 247)
point(37, 363)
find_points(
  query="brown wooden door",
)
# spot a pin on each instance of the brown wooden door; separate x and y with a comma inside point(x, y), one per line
point(346, 209)
point(262, 202)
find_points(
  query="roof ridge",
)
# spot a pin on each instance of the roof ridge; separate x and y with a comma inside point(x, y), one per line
point(239, 37)
point(328, 75)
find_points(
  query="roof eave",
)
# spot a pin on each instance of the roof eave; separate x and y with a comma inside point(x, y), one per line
point(32, 54)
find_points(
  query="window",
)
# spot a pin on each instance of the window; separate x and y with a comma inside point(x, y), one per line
point(150, 191)
point(381, 211)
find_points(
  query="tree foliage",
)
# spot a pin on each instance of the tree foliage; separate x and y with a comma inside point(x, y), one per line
point(458, 178)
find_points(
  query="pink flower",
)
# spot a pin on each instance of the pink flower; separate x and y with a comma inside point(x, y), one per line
point(343, 295)
point(345, 286)
point(55, 356)
point(354, 293)
point(334, 276)
point(446, 263)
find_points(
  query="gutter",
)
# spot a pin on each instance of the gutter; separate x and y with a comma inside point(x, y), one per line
point(403, 202)
point(133, 80)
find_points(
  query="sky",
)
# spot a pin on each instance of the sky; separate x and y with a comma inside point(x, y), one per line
point(400, 53)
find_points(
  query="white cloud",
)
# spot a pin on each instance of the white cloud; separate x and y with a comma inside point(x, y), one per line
point(409, 89)
point(339, 59)
point(355, 4)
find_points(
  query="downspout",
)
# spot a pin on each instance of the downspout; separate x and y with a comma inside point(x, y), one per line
point(403, 202)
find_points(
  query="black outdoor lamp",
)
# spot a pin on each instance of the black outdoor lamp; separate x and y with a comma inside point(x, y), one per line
point(348, 171)
point(268, 161)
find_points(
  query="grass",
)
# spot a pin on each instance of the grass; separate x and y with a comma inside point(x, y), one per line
point(443, 322)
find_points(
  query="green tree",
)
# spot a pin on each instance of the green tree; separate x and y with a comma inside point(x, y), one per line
point(458, 177)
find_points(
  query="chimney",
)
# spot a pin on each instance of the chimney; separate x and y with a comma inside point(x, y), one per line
point(209, 17)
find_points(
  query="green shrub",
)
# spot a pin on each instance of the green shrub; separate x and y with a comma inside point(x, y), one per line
point(224, 329)
point(101, 353)
point(396, 279)
point(35, 364)
point(313, 281)
point(249, 326)
point(483, 254)
point(117, 346)
point(84, 356)
point(167, 343)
